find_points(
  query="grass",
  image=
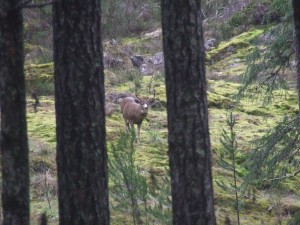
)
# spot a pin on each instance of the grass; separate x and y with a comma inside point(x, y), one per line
point(252, 116)
point(253, 120)
point(41, 125)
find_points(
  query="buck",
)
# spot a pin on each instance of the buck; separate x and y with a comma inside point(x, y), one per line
point(134, 111)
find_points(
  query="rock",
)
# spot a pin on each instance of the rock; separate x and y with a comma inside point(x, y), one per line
point(145, 69)
point(156, 105)
point(157, 59)
point(116, 97)
point(209, 44)
point(137, 60)
point(230, 49)
point(148, 64)
point(293, 63)
point(155, 34)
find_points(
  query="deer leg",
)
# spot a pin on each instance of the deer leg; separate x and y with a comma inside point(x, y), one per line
point(138, 132)
point(127, 126)
point(131, 125)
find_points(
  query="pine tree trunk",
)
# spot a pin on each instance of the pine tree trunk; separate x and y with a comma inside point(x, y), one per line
point(14, 144)
point(296, 10)
point(189, 142)
point(79, 96)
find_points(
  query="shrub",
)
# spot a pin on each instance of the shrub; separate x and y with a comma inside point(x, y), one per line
point(147, 202)
point(125, 18)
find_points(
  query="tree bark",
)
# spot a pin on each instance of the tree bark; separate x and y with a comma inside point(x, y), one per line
point(80, 115)
point(14, 143)
point(189, 142)
point(296, 11)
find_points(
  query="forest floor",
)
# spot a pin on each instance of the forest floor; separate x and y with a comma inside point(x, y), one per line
point(254, 119)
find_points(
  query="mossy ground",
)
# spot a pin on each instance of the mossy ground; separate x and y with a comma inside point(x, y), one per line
point(252, 116)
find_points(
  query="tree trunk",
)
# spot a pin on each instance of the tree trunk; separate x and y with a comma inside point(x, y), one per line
point(296, 11)
point(189, 142)
point(80, 115)
point(14, 143)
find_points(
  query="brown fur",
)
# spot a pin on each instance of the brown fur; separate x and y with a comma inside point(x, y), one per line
point(133, 113)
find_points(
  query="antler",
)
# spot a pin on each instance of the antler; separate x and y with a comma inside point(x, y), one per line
point(136, 96)
point(151, 99)
point(154, 92)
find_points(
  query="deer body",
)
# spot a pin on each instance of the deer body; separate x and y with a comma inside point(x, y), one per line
point(134, 112)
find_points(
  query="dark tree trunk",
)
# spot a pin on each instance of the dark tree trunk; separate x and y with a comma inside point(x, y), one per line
point(14, 144)
point(80, 116)
point(189, 142)
point(296, 11)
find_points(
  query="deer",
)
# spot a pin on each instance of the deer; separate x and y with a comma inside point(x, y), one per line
point(134, 111)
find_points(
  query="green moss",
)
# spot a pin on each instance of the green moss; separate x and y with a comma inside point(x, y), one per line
point(241, 41)
point(144, 45)
point(132, 40)
point(262, 111)
point(44, 72)
point(41, 124)
point(253, 120)
point(249, 16)
point(40, 77)
point(40, 207)
point(218, 101)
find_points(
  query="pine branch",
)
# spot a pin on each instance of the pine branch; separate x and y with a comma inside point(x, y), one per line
point(281, 67)
point(286, 176)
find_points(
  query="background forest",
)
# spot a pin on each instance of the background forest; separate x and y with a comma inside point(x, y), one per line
point(253, 108)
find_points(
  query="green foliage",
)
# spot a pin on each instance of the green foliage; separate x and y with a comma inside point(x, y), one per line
point(161, 196)
point(151, 155)
point(257, 12)
point(283, 7)
point(228, 162)
point(243, 17)
point(136, 78)
point(295, 219)
point(226, 19)
point(275, 155)
point(148, 202)
point(130, 186)
point(155, 137)
point(38, 34)
point(268, 63)
point(221, 31)
point(114, 78)
point(125, 18)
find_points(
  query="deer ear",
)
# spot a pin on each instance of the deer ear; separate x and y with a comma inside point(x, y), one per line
point(137, 101)
point(151, 101)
